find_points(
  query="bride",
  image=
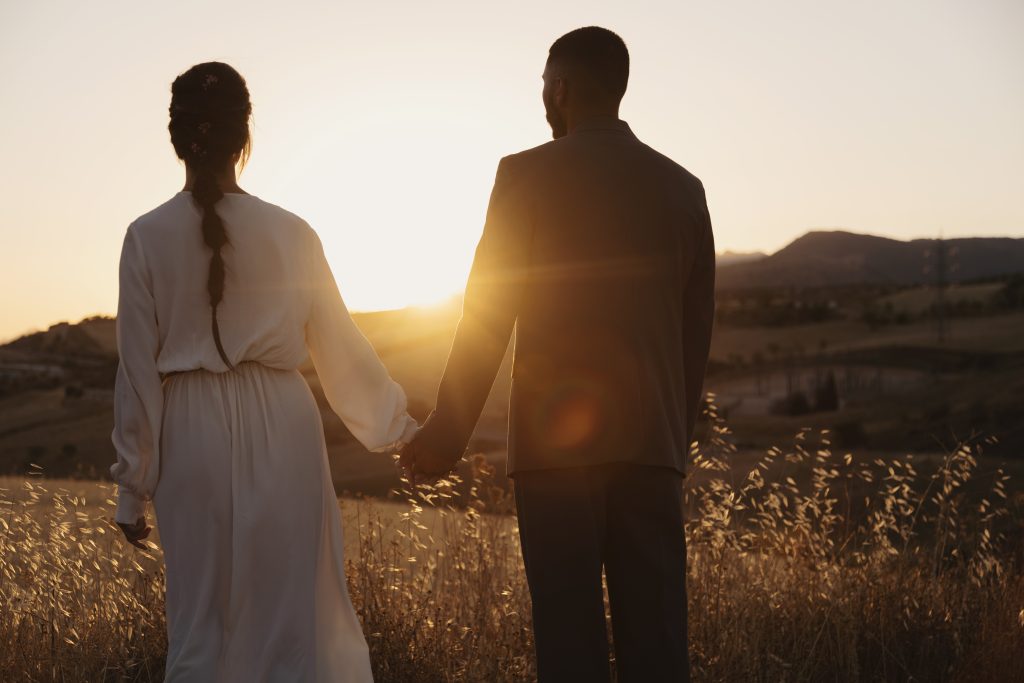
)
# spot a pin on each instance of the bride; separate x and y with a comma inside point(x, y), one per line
point(221, 296)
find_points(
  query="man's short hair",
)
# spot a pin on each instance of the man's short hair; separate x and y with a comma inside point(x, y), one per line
point(599, 53)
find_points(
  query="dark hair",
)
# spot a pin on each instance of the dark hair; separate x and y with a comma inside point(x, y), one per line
point(597, 52)
point(209, 126)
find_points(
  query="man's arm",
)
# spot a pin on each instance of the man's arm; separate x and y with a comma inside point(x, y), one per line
point(698, 318)
point(489, 312)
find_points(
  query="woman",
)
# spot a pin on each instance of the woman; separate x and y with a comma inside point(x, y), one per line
point(221, 296)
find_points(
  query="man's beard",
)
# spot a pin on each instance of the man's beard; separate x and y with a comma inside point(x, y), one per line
point(557, 123)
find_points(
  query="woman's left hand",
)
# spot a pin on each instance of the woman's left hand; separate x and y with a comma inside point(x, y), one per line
point(136, 533)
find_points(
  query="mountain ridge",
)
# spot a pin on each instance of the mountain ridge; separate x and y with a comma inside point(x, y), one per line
point(827, 258)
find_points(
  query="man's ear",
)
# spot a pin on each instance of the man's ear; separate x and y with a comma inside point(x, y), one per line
point(561, 91)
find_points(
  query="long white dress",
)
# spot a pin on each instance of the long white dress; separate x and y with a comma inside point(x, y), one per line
point(235, 461)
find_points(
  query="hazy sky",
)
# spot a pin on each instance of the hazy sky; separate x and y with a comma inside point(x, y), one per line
point(382, 123)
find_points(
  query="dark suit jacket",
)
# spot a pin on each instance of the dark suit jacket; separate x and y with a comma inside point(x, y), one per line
point(598, 251)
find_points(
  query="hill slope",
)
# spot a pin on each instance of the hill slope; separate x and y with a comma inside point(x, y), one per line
point(836, 258)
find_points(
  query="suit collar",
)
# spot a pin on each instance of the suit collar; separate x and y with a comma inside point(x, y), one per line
point(602, 124)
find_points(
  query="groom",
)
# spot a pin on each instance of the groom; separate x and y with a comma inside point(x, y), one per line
point(598, 251)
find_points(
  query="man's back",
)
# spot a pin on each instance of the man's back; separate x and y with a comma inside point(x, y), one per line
point(616, 275)
point(599, 251)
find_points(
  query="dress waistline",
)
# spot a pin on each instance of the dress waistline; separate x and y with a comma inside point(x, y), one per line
point(190, 371)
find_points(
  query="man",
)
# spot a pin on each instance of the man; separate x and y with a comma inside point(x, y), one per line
point(599, 251)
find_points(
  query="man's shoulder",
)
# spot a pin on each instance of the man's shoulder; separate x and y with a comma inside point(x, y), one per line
point(671, 167)
point(533, 156)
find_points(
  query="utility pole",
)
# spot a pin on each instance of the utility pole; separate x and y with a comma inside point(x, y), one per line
point(937, 269)
point(941, 282)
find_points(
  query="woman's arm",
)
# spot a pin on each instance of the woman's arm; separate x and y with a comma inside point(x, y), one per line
point(356, 383)
point(138, 396)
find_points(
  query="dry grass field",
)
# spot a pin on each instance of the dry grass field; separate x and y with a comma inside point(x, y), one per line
point(993, 333)
point(855, 570)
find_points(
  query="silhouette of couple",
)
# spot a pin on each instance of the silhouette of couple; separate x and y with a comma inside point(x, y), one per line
point(598, 252)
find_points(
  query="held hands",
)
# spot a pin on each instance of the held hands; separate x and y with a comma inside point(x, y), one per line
point(136, 533)
point(422, 464)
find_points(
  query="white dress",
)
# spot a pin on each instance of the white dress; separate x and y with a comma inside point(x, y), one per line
point(235, 461)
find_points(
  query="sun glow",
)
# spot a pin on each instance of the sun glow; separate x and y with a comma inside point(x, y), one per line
point(382, 126)
point(399, 217)
point(399, 201)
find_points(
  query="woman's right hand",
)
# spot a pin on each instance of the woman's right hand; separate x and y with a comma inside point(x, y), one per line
point(136, 533)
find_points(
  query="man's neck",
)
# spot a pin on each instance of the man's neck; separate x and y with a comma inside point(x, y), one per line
point(591, 116)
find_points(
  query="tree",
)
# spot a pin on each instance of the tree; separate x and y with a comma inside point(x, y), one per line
point(827, 394)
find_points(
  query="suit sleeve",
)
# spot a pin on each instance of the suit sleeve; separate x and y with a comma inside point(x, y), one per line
point(355, 381)
point(698, 317)
point(138, 394)
point(489, 312)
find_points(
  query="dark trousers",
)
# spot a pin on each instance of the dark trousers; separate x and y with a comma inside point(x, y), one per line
point(627, 519)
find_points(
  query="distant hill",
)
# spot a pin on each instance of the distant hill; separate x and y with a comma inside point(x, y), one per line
point(728, 258)
point(835, 258)
point(88, 338)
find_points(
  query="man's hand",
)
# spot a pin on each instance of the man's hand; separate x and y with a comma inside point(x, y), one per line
point(422, 465)
point(136, 533)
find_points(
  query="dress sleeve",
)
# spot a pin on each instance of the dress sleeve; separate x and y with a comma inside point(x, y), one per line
point(355, 381)
point(138, 396)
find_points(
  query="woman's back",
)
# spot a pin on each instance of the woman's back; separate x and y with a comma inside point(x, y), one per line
point(272, 263)
point(280, 302)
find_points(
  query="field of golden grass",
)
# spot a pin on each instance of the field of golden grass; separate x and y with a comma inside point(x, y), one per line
point(858, 570)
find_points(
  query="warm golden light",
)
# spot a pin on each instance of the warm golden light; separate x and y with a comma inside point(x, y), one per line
point(382, 125)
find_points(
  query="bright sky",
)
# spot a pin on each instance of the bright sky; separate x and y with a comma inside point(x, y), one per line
point(382, 123)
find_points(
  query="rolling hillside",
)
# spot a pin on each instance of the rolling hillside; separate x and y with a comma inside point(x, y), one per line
point(828, 259)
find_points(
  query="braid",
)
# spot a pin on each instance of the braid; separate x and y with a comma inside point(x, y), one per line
point(207, 193)
point(209, 127)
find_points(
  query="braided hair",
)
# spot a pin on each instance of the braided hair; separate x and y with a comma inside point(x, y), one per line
point(209, 126)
